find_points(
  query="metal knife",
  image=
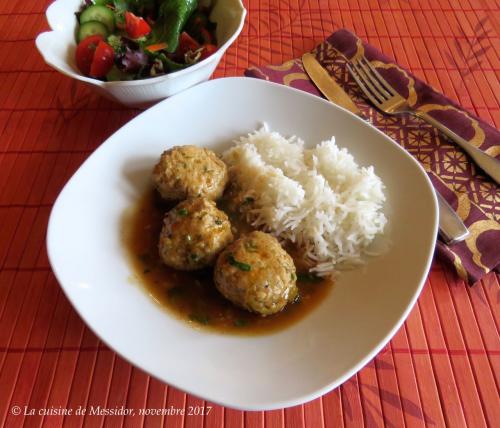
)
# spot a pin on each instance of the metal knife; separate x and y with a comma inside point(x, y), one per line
point(451, 227)
point(327, 86)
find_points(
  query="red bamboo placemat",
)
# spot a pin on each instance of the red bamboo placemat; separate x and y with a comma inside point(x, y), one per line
point(442, 367)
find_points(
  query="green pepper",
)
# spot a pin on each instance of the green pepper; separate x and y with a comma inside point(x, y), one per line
point(172, 17)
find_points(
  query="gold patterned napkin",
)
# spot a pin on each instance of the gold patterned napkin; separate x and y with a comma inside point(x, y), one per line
point(474, 196)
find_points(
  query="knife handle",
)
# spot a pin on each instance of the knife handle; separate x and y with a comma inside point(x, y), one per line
point(451, 227)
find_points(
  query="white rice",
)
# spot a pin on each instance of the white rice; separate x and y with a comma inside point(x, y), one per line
point(319, 199)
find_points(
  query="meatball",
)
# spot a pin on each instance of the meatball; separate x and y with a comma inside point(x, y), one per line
point(194, 232)
point(255, 273)
point(188, 172)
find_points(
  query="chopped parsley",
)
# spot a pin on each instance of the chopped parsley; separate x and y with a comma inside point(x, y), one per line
point(308, 277)
point(240, 265)
point(218, 221)
point(175, 292)
point(145, 258)
point(240, 323)
point(249, 200)
point(200, 319)
point(183, 212)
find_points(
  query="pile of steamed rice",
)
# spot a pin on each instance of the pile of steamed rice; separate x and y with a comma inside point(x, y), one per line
point(319, 198)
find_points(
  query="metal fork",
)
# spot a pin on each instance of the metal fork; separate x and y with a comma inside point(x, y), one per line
point(385, 98)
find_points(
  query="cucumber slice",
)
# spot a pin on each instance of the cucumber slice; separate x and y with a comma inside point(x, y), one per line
point(91, 28)
point(101, 14)
point(115, 75)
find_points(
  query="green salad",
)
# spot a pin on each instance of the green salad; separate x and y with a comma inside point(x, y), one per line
point(137, 39)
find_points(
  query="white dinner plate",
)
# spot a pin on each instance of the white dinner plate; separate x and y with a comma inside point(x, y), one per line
point(358, 317)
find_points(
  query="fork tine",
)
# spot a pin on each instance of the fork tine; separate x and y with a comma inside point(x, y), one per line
point(368, 72)
point(363, 86)
point(367, 82)
point(384, 82)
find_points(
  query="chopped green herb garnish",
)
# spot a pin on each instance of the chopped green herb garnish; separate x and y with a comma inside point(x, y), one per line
point(240, 323)
point(218, 221)
point(308, 277)
point(145, 258)
point(293, 276)
point(249, 200)
point(194, 257)
point(200, 319)
point(183, 212)
point(240, 265)
point(175, 292)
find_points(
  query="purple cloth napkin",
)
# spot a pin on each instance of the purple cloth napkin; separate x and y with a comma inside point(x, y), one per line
point(474, 196)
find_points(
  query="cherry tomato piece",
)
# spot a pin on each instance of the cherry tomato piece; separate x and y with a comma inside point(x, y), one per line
point(207, 51)
point(206, 37)
point(104, 58)
point(135, 26)
point(85, 52)
point(187, 43)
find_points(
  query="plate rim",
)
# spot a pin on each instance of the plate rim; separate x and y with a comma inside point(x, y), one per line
point(254, 406)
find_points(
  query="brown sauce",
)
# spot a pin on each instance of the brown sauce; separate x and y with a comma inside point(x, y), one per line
point(192, 296)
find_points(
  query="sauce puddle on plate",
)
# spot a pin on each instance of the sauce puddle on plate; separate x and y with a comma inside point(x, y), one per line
point(192, 296)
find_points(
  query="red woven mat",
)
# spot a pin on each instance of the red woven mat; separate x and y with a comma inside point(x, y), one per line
point(441, 368)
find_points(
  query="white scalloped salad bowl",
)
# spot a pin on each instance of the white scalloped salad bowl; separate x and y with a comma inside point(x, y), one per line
point(361, 312)
point(57, 48)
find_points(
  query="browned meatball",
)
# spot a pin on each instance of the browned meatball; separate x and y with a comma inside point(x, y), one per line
point(255, 273)
point(188, 172)
point(193, 234)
